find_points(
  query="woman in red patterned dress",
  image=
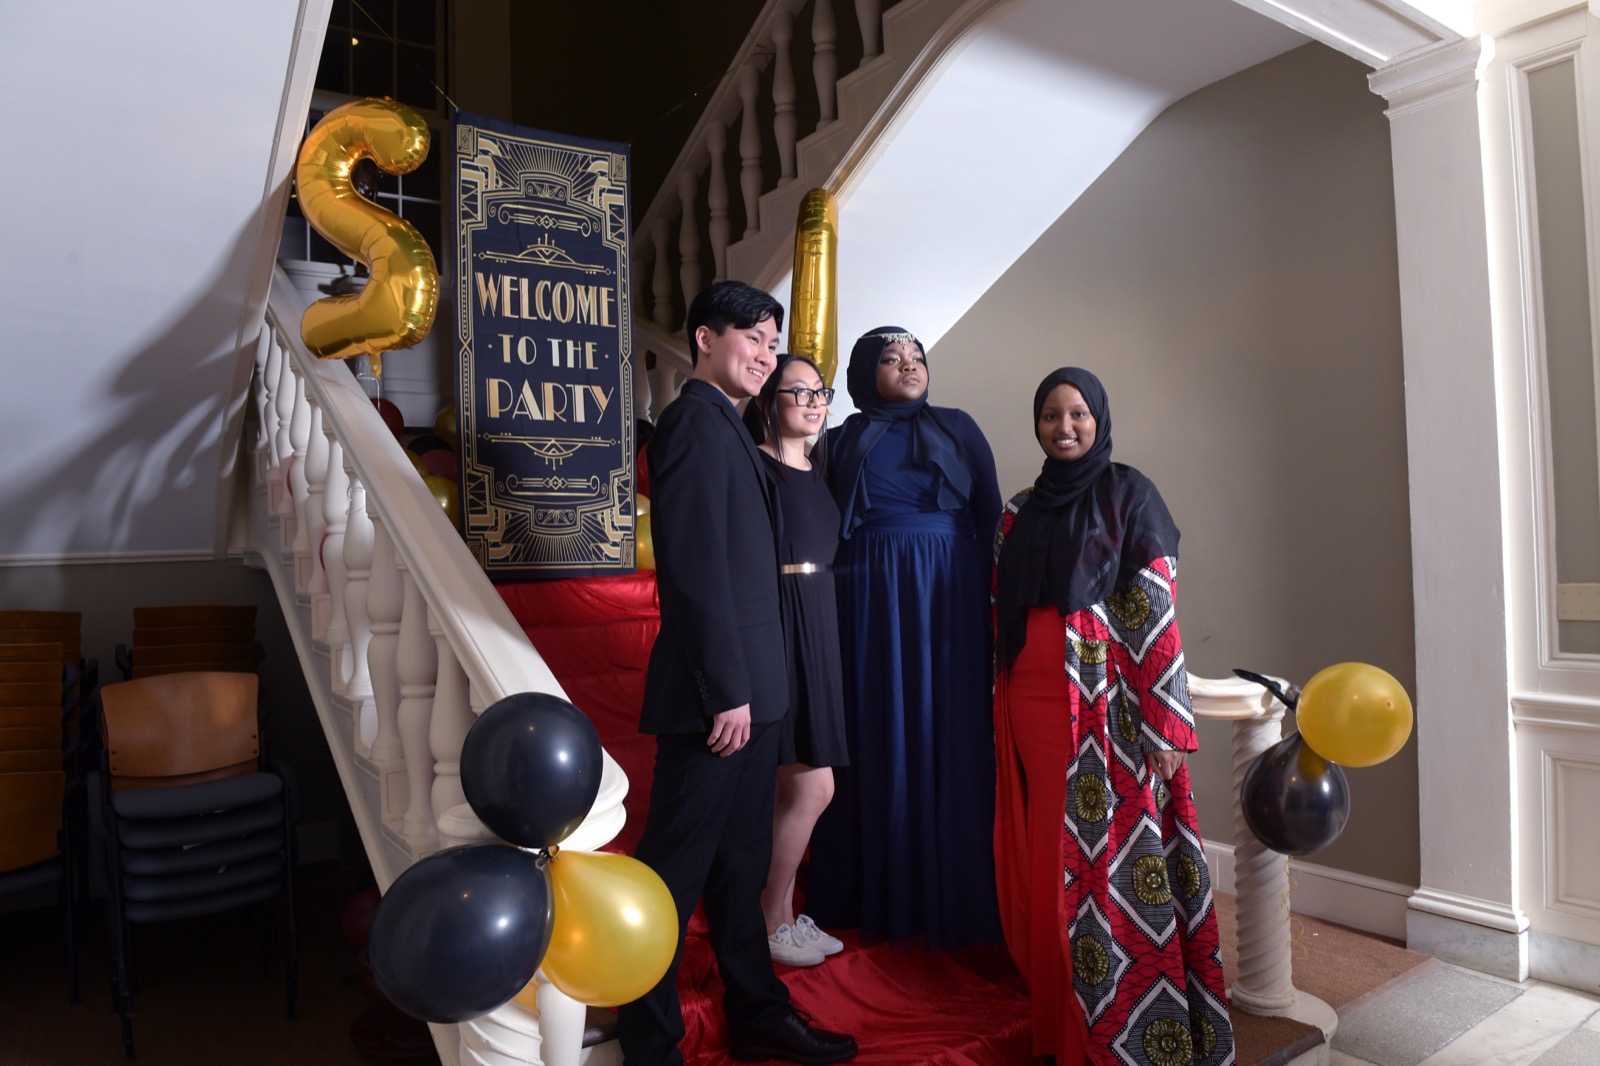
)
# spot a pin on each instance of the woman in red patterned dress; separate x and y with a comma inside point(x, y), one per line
point(1104, 892)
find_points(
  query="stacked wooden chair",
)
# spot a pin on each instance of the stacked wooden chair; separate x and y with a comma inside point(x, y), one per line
point(187, 818)
point(43, 683)
point(188, 638)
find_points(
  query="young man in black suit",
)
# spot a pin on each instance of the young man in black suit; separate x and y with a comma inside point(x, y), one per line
point(717, 688)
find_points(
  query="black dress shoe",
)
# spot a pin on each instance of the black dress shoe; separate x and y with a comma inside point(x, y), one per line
point(790, 1038)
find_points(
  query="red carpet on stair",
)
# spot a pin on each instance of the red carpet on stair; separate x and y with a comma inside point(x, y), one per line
point(903, 1006)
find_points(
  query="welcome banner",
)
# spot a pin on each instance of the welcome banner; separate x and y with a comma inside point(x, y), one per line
point(545, 351)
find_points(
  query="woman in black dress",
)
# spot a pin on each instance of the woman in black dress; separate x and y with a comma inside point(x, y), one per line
point(792, 410)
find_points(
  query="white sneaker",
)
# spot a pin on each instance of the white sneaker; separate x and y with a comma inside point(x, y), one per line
point(806, 932)
point(787, 948)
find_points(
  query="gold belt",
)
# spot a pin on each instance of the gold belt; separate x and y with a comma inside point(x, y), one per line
point(805, 568)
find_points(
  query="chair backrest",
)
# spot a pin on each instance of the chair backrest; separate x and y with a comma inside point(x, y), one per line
point(30, 816)
point(30, 759)
point(47, 672)
point(71, 643)
point(48, 652)
point(64, 621)
point(190, 658)
point(194, 614)
point(27, 693)
point(181, 728)
point(31, 736)
point(163, 636)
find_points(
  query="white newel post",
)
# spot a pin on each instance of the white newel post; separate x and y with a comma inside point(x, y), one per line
point(418, 670)
point(1264, 984)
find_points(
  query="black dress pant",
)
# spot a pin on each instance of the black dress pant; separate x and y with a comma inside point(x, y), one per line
point(709, 836)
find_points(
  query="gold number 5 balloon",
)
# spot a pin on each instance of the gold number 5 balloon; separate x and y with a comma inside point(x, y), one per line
point(396, 308)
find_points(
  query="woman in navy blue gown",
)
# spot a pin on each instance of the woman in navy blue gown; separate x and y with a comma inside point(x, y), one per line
point(906, 848)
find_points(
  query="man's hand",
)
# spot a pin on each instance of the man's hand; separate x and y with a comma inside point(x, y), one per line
point(1166, 763)
point(730, 731)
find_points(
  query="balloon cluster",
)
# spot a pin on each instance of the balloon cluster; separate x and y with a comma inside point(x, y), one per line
point(644, 548)
point(462, 932)
point(433, 455)
point(1295, 796)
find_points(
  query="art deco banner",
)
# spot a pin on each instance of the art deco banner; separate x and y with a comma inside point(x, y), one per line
point(545, 384)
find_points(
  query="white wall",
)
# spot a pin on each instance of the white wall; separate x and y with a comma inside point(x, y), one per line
point(1232, 278)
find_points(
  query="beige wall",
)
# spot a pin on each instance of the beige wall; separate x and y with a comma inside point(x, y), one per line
point(1232, 278)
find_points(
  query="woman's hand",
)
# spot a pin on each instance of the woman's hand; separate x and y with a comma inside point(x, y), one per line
point(1167, 763)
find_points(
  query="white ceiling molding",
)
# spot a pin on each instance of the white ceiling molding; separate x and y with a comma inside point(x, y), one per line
point(1373, 31)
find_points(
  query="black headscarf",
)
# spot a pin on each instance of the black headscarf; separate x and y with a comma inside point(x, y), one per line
point(1084, 532)
point(932, 443)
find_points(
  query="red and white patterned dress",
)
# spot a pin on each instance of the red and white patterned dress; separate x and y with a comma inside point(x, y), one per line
point(1104, 891)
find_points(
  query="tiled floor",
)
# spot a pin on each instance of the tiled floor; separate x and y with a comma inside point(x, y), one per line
point(1448, 1016)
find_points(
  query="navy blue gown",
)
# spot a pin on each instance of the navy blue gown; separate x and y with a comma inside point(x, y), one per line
point(907, 846)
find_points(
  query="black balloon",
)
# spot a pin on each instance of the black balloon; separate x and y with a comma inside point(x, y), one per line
point(530, 768)
point(462, 931)
point(1294, 800)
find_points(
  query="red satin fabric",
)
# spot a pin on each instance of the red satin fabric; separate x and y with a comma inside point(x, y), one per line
point(905, 1007)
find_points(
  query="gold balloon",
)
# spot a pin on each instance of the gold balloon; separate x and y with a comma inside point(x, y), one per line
point(614, 931)
point(1354, 714)
point(813, 292)
point(444, 424)
point(444, 490)
point(396, 308)
point(644, 549)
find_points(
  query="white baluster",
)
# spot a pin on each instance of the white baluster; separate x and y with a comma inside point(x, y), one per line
point(750, 148)
point(785, 125)
point(1265, 982)
point(294, 536)
point(327, 608)
point(270, 379)
point(825, 60)
point(869, 15)
point(351, 676)
point(418, 670)
point(661, 279)
point(309, 577)
point(452, 717)
point(260, 396)
point(717, 198)
point(688, 238)
point(282, 446)
point(385, 600)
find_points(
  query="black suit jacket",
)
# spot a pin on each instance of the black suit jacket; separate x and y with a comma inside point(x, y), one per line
point(713, 519)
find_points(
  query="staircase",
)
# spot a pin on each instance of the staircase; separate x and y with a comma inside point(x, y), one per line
point(403, 638)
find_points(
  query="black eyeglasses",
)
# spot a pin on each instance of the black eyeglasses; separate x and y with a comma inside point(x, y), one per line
point(803, 397)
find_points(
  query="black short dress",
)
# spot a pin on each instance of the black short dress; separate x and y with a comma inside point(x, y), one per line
point(813, 732)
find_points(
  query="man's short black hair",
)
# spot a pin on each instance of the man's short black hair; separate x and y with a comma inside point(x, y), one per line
point(729, 303)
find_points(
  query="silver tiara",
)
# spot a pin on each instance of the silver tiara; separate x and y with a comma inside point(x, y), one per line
point(896, 338)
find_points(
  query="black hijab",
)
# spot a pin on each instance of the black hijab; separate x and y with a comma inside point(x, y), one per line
point(932, 443)
point(1086, 529)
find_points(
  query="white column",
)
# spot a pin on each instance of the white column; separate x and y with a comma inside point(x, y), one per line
point(825, 60)
point(720, 227)
point(282, 448)
point(1466, 909)
point(688, 238)
point(869, 15)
